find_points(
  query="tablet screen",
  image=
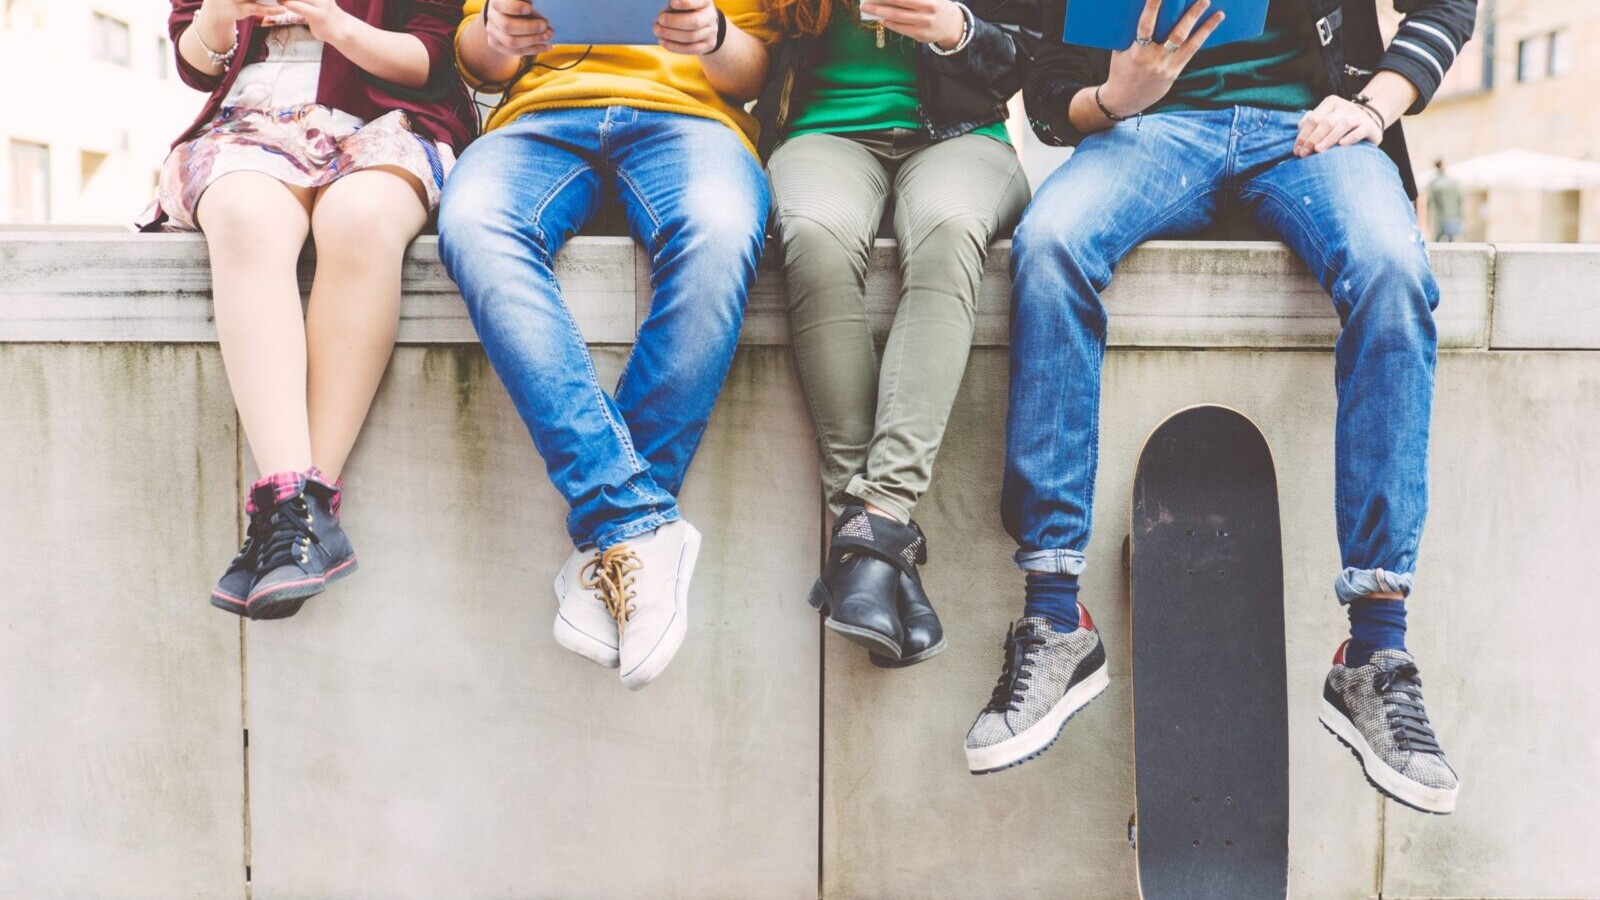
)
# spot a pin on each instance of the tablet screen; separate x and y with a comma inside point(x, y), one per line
point(602, 21)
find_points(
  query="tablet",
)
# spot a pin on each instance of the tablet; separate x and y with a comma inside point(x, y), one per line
point(602, 21)
point(1110, 24)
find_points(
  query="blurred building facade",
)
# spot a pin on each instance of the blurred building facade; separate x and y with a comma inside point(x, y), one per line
point(1529, 82)
point(92, 102)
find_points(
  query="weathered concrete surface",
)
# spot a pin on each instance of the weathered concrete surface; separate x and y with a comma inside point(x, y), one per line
point(1506, 627)
point(120, 738)
point(1166, 294)
point(416, 732)
point(1547, 298)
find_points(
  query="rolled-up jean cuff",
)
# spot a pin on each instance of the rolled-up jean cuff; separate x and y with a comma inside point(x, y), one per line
point(1053, 562)
point(1353, 584)
point(617, 532)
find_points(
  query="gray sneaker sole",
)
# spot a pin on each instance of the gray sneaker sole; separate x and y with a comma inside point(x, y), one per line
point(1026, 745)
point(1383, 778)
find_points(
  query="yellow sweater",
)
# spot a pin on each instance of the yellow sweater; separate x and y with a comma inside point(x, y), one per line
point(639, 77)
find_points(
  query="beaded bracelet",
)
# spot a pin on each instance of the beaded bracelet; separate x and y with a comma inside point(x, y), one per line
point(968, 26)
point(220, 61)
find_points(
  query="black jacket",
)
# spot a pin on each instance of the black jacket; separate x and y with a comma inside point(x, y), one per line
point(1352, 50)
point(956, 93)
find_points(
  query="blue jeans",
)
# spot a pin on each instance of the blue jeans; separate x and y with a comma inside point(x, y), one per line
point(696, 199)
point(1343, 211)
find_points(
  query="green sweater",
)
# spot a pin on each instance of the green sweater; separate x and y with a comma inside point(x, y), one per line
point(856, 86)
point(1275, 70)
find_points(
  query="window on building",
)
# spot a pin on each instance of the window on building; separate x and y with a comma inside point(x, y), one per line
point(163, 59)
point(1532, 58)
point(1560, 53)
point(30, 182)
point(113, 40)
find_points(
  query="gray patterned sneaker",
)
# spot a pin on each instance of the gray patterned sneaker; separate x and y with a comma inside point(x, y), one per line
point(1376, 710)
point(1049, 675)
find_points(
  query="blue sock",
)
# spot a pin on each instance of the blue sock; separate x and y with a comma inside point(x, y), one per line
point(1375, 625)
point(1053, 597)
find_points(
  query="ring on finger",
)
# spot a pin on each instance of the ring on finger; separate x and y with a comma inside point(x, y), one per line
point(1143, 41)
point(1172, 47)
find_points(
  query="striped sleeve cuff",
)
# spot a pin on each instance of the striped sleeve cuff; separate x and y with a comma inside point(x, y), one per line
point(1423, 53)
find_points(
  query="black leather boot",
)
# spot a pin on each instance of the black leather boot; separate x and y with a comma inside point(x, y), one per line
point(860, 585)
point(921, 634)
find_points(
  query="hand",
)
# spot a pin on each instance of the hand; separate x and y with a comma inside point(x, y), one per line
point(938, 22)
point(688, 27)
point(234, 10)
point(1142, 74)
point(514, 28)
point(328, 22)
point(1336, 121)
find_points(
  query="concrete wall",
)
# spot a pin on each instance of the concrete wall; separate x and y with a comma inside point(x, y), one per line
point(416, 732)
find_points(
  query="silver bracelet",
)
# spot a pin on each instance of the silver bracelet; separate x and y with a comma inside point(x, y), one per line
point(220, 61)
point(968, 26)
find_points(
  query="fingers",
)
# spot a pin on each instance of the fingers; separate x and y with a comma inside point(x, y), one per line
point(1186, 22)
point(513, 28)
point(257, 10)
point(1335, 122)
point(510, 7)
point(1147, 19)
point(1198, 38)
point(688, 27)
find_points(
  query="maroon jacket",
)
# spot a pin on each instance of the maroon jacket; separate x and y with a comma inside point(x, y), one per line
point(440, 110)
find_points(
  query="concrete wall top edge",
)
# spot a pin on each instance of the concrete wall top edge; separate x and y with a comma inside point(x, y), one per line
point(126, 288)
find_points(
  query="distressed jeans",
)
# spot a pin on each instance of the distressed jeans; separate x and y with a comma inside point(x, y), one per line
point(696, 200)
point(1344, 212)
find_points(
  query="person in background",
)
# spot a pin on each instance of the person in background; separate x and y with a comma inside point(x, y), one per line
point(662, 132)
point(900, 101)
point(1444, 205)
point(337, 121)
point(1297, 128)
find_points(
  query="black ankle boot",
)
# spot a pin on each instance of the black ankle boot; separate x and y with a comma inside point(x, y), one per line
point(922, 635)
point(304, 550)
point(860, 584)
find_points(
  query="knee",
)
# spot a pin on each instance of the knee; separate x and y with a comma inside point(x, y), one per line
point(235, 231)
point(1389, 283)
point(1054, 240)
point(814, 248)
point(957, 240)
point(360, 236)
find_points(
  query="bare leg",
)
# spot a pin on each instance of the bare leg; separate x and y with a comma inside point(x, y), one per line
point(255, 226)
point(362, 224)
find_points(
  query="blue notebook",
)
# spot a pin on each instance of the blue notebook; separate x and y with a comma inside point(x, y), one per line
point(1110, 24)
point(604, 22)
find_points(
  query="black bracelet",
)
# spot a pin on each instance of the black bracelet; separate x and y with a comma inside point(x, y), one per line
point(722, 32)
point(1108, 113)
point(1365, 102)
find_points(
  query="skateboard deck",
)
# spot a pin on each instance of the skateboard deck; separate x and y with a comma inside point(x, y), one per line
point(1210, 694)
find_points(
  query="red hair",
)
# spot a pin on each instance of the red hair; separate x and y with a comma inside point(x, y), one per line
point(803, 18)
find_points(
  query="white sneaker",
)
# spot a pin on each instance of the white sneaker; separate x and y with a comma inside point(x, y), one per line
point(645, 583)
point(583, 623)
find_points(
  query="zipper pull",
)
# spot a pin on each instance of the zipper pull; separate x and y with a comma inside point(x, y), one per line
point(1354, 72)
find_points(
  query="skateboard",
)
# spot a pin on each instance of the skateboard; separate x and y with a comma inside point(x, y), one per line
point(1210, 695)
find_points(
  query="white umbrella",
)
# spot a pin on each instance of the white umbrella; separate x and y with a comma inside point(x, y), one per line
point(1527, 170)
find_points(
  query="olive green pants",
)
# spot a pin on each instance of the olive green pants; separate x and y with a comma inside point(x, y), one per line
point(879, 426)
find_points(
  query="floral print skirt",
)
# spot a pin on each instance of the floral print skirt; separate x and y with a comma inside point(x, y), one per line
point(303, 146)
